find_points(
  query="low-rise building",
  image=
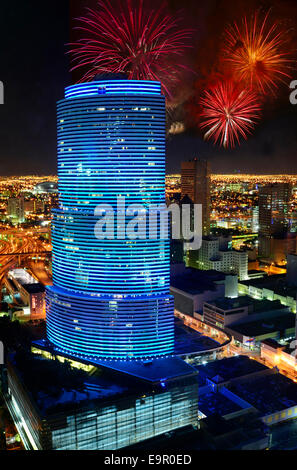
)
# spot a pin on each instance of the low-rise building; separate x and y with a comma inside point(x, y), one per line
point(239, 393)
point(31, 293)
point(192, 287)
point(249, 321)
point(279, 355)
point(84, 406)
point(275, 287)
point(216, 253)
point(223, 312)
point(250, 334)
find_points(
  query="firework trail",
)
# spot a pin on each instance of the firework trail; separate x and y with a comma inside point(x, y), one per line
point(146, 45)
point(228, 113)
point(257, 53)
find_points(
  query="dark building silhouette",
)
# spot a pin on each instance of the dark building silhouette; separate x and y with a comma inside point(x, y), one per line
point(273, 215)
point(195, 183)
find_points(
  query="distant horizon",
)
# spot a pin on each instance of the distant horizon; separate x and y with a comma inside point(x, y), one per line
point(35, 175)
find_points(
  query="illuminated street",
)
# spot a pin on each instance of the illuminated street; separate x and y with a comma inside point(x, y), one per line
point(14, 252)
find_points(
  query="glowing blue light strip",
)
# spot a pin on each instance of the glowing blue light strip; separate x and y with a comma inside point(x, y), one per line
point(142, 87)
point(124, 155)
point(111, 329)
point(85, 264)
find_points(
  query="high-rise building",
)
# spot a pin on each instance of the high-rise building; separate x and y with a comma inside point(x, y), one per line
point(255, 219)
point(15, 209)
point(273, 214)
point(110, 297)
point(293, 221)
point(195, 183)
point(34, 206)
point(110, 312)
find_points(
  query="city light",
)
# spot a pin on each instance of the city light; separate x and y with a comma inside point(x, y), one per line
point(148, 229)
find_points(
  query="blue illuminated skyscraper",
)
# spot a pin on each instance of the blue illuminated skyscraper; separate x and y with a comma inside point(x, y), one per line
point(110, 298)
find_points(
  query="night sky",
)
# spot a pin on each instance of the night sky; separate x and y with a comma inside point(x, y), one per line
point(35, 69)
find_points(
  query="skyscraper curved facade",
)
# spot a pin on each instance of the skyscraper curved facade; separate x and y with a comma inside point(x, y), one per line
point(110, 297)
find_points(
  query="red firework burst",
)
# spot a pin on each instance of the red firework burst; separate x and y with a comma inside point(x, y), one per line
point(144, 45)
point(258, 53)
point(228, 113)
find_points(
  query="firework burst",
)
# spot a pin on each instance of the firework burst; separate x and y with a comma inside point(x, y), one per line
point(257, 53)
point(228, 113)
point(126, 38)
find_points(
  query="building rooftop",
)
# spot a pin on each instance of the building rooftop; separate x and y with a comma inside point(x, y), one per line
point(213, 403)
point(150, 371)
point(225, 303)
point(22, 276)
point(272, 343)
point(255, 305)
point(283, 321)
point(275, 282)
point(34, 288)
point(229, 368)
point(268, 393)
point(155, 371)
point(113, 86)
point(195, 281)
point(55, 386)
point(234, 434)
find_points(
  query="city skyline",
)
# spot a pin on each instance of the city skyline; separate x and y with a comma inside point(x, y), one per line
point(148, 228)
